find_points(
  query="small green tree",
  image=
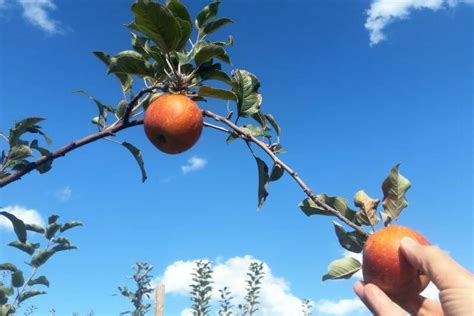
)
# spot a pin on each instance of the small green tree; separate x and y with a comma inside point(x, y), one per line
point(201, 288)
point(255, 275)
point(20, 289)
point(142, 279)
point(307, 307)
point(225, 304)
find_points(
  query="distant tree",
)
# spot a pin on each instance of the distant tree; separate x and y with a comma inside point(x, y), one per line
point(201, 288)
point(255, 275)
point(225, 304)
point(307, 307)
point(142, 279)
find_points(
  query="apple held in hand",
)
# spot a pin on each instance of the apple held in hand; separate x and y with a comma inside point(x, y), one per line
point(173, 123)
point(385, 266)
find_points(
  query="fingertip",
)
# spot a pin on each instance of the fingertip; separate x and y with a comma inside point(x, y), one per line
point(359, 289)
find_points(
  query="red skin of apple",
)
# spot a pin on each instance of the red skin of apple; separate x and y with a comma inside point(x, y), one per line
point(173, 123)
point(385, 266)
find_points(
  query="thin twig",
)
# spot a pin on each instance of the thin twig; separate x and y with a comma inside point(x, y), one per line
point(220, 128)
point(249, 138)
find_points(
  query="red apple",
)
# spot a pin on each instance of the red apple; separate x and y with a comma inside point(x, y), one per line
point(173, 123)
point(385, 266)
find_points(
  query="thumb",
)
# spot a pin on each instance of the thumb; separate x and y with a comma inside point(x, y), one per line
point(432, 261)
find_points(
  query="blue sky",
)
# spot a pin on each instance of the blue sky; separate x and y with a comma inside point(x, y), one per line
point(356, 87)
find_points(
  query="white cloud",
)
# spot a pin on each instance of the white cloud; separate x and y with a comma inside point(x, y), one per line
point(29, 216)
point(64, 194)
point(187, 312)
point(37, 12)
point(383, 12)
point(194, 163)
point(340, 307)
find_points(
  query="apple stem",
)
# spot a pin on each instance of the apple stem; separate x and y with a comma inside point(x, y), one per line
point(249, 138)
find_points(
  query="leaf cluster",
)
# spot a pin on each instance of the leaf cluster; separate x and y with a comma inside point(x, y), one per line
point(21, 146)
point(394, 189)
point(22, 288)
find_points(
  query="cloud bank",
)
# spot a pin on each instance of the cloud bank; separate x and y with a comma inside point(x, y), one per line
point(276, 296)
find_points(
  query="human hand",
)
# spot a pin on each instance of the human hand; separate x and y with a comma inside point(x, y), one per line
point(455, 284)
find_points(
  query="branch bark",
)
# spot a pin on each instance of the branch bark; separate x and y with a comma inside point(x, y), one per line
point(248, 137)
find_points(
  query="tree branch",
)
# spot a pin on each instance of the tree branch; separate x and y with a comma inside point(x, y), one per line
point(249, 138)
point(134, 101)
point(66, 149)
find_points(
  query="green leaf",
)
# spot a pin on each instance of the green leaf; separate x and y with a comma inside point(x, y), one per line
point(6, 310)
point(51, 230)
point(8, 267)
point(19, 152)
point(21, 127)
point(28, 294)
point(132, 63)
point(262, 181)
point(35, 129)
point(277, 172)
point(17, 279)
point(208, 51)
point(27, 247)
point(347, 240)
point(186, 29)
point(62, 247)
point(216, 74)
point(41, 257)
point(124, 79)
point(139, 44)
point(18, 226)
point(45, 167)
point(52, 219)
point(368, 213)
point(179, 10)
point(213, 26)
point(121, 108)
point(42, 280)
point(137, 154)
point(3, 299)
point(342, 269)
point(69, 225)
point(158, 23)
point(101, 107)
point(270, 119)
point(207, 13)
point(35, 228)
point(309, 207)
point(394, 189)
point(206, 91)
point(34, 145)
point(245, 86)
point(184, 20)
